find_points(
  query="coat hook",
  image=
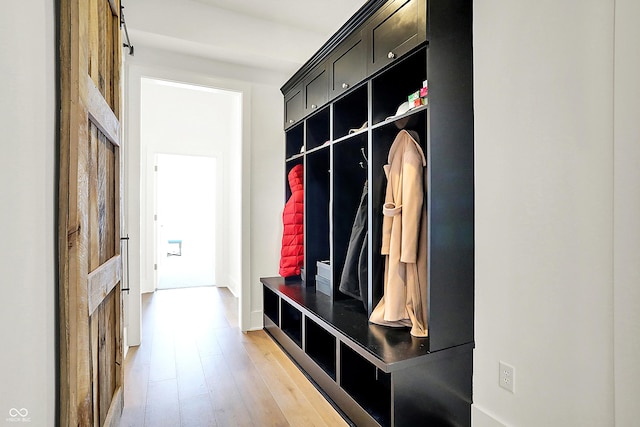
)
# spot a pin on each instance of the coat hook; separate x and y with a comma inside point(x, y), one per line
point(365, 158)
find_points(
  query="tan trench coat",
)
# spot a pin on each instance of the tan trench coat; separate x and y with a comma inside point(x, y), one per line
point(404, 239)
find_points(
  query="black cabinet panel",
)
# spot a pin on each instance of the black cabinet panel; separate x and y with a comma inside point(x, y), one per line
point(396, 30)
point(315, 89)
point(293, 106)
point(347, 66)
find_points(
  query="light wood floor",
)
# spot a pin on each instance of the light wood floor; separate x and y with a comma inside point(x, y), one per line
point(195, 368)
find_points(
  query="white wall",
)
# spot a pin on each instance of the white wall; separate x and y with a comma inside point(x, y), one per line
point(261, 129)
point(267, 190)
point(545, 286)
point(27, 220)
point(626, 212)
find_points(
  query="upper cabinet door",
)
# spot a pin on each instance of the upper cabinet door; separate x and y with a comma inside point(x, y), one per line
point(347, 66)
point(315, 89)
point(395, 30)
point(293, 106)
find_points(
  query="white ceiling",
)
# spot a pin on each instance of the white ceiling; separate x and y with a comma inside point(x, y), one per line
point(273, 34)
point(320, 16)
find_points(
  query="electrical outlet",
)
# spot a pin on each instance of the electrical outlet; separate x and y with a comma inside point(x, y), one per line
point(507, 377)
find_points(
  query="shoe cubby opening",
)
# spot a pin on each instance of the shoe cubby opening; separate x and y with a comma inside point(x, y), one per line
point(366, 384)
point(350, 218)
point(271, 305)
point(350, 112)
point(316, 211)
point(392, 88)
point(294, 141)
point(320, 345)
point(318, 129)
point(291, 322)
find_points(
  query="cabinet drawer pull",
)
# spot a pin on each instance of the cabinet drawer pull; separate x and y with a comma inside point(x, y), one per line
point(391, 55)
point(291, 120)
point(345, 85)
point(314, 106)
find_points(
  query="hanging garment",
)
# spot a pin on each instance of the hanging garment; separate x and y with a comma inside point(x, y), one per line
point(404, 238)
point(292, 252)
point(353, 280)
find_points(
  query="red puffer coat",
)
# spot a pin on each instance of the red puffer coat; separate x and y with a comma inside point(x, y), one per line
point(292, 253)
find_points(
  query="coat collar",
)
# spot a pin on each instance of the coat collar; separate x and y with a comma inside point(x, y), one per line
point(402, 139)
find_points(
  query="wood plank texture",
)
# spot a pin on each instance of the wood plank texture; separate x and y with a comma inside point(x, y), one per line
point(101, 114)
point(102, 281)
point(94, 217)
point(114, 7)
point(221, 376)
point(89, 215)
point(113, 416)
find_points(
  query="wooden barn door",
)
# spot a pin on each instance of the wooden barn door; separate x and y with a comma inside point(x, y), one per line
point(90, 300)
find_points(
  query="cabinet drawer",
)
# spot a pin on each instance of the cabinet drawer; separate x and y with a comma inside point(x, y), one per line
point(394, 31)
point(347, 66)
point(316, 89)
point(293, 106)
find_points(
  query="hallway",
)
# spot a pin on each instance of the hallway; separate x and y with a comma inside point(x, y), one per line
point(195, 368)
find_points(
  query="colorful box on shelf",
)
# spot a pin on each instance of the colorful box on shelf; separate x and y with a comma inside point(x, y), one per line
point(418, 98)
point(415, 100)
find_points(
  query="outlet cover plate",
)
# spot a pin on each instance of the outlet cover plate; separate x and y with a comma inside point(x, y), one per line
point(507, 377)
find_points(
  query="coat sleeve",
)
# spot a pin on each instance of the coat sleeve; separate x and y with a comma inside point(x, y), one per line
point(412, 199)
point(387, 221)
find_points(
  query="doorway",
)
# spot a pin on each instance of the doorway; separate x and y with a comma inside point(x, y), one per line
point(185, 221)
point(173, 113)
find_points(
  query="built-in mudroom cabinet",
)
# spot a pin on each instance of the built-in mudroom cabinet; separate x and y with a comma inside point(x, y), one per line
point(395, 66)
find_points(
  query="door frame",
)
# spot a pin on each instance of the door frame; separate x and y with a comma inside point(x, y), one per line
point(134, 154)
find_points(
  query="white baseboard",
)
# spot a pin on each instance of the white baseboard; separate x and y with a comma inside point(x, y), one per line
point(480, 418)
point(233, 287)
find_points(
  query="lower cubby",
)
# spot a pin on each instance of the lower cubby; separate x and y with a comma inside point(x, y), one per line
point(376, 376)
point(367, 384)
point(320, 345)
point(291, 322)
point(271, 304)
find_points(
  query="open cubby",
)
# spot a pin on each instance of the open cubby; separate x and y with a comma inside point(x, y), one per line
point(271, 305)
point(350, 112)
point(382, 139)
point(366, 384)
point(291, 322)
point(317, 192)
point(318, 129)
point(320, 345)
point(295, 140)
point(350, 167)
point(393, 87)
